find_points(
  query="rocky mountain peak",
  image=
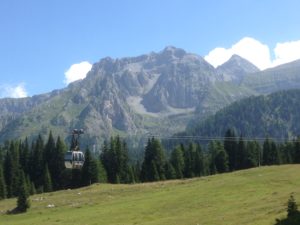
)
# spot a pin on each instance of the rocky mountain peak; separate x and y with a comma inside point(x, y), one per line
point(136, 94)
point(236, 68)
point(237, 60)
point(172, 51)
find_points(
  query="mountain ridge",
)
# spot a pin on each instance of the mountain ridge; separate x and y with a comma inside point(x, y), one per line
point(151, 93)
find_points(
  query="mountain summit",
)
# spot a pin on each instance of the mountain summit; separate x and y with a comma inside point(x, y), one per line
point(156, 93)
point(236, 68)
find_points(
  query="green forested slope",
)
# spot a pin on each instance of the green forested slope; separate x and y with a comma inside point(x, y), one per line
point(275, 115)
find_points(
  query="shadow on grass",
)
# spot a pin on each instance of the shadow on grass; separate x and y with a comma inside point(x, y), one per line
point(293, 219)
point(15, 211)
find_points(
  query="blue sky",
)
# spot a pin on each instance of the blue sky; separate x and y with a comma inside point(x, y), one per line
point(41, 40)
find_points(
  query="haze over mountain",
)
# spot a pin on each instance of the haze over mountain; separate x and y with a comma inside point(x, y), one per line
point(155, 93)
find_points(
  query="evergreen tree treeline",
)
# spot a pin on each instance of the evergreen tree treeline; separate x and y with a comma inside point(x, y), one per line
point(42, 163)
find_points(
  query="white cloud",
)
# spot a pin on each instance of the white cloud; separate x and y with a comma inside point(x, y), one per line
point(286, 52)
point(256, 52)
point(77, 71)
point(248, 48)
point(10, 91)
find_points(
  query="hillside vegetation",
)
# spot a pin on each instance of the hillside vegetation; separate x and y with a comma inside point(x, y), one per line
point(256, 196)
point(275, 115)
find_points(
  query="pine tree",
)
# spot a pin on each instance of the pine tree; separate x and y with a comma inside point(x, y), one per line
point(270, 153)
point(231, 147)
point(47, 180)
point(57, 165)
point(170, 171)
point(90, 170)
point(218, 158)
point(153, 167)
point(115, 160)
point(8, 171)
point(188, 161)
point(296, 155)
point(292, 208)
point(154, 176)
point(2, 185)
point(37, 163)
point(11, 169)
point(241, 154)
point(102, 172)
point(212, 148)
point(24, 156)
point(23, 201)
point(123, 168)
point(221, 161)
point(30, 185)
point(137, 171)
point(106, 161)
point(199, 169)
point(177, 161)
point(293, 215)
point(287, 152)
point(252, 155)
point(76, 181)
point(48, 152)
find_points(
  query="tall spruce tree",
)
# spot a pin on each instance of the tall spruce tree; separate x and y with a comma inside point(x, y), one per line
point(123, 168)
point(292, 208)
point(47, 186)
point(37, 164)
point(48, 152)
point(11, 169)
point(57, 165)
point(296, 154)
point(102, 172)
point(221, 159)
point(153, 167)
point(252, 155)
point(241, 154)
point(170, 171)
point(199, 169)
point(218, 158)
point(115, 160)
point(231, 147)
point(188, 161)
point(270, 153)
point(177, 161)
point(24, 156)
point(287, 152)
point(137, 171)
point(8, 172)
point(23, 194)
point(212, 151)
point(87, 170)
point(106, 157)
point(3, 192)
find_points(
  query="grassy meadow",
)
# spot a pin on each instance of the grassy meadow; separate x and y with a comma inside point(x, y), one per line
point(256, 196)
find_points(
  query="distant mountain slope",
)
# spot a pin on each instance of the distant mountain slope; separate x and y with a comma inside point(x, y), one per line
point(12, 108)
point(275, 115)
point(155, 93)
point(282, 77)
point(236, 68)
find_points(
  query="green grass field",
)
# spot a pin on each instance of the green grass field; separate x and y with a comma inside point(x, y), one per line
point(256, 196)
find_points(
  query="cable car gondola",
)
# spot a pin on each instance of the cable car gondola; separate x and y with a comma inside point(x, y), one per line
point(74, 158)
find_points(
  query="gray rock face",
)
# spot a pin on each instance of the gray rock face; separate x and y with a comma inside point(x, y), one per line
point(235, 69)
point(156, 92)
